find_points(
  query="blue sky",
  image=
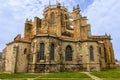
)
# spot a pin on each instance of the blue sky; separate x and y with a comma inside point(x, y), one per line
point(103, 15)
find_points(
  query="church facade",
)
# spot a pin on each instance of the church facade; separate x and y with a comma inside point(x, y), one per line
point(61, 41)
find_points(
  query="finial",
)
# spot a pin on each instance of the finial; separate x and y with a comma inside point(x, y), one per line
point(58, 5)
point(26, 19)
point(109, 35)
point(78, 6)
point(73, 8)
point(105, 34)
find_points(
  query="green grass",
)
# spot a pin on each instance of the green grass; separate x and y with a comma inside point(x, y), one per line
point(62, 75)
point(65, 75)
point(111, 73)
point(10, 76)
point(64, 79)
point(106, 74)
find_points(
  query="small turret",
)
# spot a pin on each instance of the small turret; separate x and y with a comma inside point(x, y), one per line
point(73, 8)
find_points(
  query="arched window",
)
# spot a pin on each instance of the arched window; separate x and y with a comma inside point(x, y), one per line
point(25, 51)
point(91, 53)
point(52, 19)
point(41, 54)
point(68, 53)
point(52, 52)
point(105, 54)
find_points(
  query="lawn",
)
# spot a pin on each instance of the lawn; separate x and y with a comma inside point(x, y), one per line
point(47, 76)
point(10, 76)
point(65, 75)
point(111, 73)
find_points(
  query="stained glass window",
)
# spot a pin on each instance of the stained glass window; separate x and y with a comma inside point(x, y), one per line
point(68, 53)
point(52, 52)
point(91, 53)
point(41, 56)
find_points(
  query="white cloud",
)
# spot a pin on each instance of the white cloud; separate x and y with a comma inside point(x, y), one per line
point(13, 14)
point(104, 17)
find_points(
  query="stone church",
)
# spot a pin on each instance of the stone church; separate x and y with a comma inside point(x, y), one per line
point(60, 41)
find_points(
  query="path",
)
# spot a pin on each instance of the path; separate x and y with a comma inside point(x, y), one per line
point(92, 76)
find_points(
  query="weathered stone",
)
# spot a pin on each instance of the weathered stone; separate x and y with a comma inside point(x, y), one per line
point(23, 54)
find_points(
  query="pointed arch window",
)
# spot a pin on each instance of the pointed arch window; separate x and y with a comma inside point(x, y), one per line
point(68, 53)
point(52, 52)
point(105, 54)
point(91, 53)
point(41, 54)
point(52, 19)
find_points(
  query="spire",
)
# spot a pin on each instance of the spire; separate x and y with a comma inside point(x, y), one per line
point(73, 8)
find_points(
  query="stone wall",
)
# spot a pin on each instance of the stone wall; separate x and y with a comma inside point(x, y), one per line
point(22, 57)
point(63, 29)
point(80, 55)
point(15, 57)
point(9, 59)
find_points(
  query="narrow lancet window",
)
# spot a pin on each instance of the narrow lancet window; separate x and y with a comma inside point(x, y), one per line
point(68, 53)
point(91, 53)
point(52, 52)
point(41, 55)
point(105, 54)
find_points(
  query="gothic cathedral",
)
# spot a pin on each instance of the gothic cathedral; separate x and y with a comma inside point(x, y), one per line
point(60, 41)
